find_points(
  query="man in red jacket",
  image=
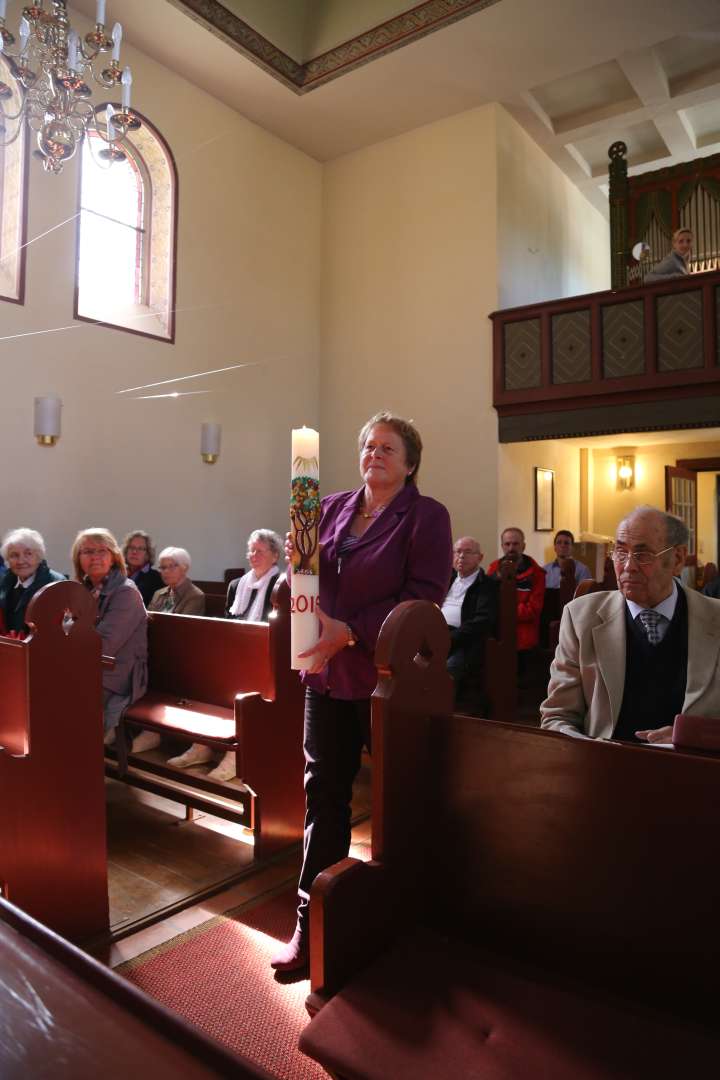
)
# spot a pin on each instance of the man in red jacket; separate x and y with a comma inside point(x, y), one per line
point(530, 582)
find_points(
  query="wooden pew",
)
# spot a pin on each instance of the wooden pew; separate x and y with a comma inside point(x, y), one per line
point(500, 670)
point(536, 905)
point(53, 855)
point(65, 1016)
point(216, 592)
point(227, 684)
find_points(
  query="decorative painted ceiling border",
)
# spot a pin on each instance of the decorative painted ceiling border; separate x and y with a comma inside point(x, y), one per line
point(401, 30)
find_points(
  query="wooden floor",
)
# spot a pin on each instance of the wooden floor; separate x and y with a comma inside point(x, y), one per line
point(161, 868)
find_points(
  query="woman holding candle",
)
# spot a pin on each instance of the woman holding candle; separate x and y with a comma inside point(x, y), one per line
point(380, 544)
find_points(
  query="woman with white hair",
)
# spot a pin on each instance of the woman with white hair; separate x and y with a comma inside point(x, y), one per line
point(27, 572)
point(179, 595)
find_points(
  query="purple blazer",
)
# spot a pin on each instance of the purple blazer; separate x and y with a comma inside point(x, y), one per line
point(406, 554)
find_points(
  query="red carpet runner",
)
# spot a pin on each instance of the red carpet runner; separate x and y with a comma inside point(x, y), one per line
point(218, 977)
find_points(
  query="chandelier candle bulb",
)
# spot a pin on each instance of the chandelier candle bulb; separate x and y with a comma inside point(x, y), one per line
point(126, 84)
point(110, 112)
point(100, 13)
point(304, 522)
point(24, 33)
point(73, 42)
point(117, 39)
point(3, 8)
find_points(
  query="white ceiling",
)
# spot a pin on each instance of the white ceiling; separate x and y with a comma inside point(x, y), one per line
point(576, 74)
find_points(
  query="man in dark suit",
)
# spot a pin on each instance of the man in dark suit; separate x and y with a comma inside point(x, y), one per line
point(470, 610)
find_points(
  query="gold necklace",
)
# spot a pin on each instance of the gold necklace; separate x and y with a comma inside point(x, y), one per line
point(372, 514)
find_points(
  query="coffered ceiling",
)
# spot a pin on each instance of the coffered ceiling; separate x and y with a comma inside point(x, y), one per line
point(331, 76)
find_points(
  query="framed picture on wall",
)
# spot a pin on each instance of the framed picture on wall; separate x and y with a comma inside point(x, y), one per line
point(544, 500)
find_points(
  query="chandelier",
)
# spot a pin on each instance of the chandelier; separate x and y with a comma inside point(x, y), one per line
point(53, 67)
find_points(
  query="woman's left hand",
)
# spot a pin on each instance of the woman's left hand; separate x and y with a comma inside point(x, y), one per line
point(333, 638)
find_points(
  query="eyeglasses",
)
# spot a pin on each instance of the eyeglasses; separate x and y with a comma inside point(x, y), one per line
point(168, 566)
point(137, 550)
point(89, 552)
point(642, 558)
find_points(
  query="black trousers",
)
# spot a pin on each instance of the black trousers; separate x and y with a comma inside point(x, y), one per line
point(334, 736)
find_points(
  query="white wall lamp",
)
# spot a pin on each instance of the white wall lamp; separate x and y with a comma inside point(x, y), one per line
point(47, 419)
point(625, 472)
point(210, 443)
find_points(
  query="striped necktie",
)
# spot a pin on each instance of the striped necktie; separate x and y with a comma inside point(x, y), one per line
point(651, 622)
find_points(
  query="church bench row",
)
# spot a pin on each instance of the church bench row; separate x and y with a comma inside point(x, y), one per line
point(566, 925)
point(66, 1016)
point(226, 684)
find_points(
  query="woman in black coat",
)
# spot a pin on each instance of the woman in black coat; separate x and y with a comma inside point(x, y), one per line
point(27, 572)
point(139, 554)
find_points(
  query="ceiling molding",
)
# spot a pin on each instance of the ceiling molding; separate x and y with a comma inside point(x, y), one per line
point(411, 25)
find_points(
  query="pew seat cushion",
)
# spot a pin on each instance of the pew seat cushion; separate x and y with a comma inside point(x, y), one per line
point(172, 715)
point(433, 1008)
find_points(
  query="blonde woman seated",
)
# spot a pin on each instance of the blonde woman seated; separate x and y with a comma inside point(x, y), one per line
point(179, 595)
point(248, 599)
point(121, 623)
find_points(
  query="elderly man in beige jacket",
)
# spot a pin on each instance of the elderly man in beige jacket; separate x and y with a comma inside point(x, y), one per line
point(628, 661)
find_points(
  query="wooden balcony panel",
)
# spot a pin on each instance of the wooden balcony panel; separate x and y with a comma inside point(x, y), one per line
point(641, 344)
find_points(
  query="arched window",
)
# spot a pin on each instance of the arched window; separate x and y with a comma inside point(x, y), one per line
point(13, 189)
point(127, 235)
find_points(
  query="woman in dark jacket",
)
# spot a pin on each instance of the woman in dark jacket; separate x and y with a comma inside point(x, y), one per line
point(24, 552)
point(139, 554)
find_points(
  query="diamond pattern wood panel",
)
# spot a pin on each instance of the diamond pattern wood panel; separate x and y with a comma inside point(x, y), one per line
point(523, 370)
point(623, 345)
point(679, 331)
point(571, 360)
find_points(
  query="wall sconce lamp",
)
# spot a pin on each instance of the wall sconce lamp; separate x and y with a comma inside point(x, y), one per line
point(46, 423)
point(210, 443)
point(626, 472)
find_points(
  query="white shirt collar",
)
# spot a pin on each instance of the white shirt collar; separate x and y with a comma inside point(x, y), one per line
point(26, 583)
point(666, 607)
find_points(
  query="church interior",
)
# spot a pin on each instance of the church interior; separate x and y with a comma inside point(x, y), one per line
point(266, 215)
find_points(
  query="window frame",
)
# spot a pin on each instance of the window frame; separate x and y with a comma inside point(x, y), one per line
point(23, 140)
point(145, 177)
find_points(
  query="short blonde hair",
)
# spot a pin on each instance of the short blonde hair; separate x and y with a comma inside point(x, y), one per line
point(100, 536)
point(407, 432)
point(28, 538)
point(679, 232)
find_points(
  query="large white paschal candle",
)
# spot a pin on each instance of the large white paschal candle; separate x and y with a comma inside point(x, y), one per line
point(304, 522)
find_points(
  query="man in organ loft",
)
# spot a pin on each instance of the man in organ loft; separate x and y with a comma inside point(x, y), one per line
point(630, 660)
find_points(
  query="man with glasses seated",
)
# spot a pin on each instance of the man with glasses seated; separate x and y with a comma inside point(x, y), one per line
point(629, 660)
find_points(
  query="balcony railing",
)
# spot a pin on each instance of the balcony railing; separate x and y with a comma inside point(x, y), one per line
point(606, 351)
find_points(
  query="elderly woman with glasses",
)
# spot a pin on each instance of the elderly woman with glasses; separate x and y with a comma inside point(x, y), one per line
point(27, 572)
point(179, 596)
point(139, 554)
point(121, 622)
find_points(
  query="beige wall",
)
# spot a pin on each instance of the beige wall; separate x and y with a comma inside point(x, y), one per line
point(408, 281)
point(516, 502)
point(551, 241)
point(707, 517)
point(247, 290)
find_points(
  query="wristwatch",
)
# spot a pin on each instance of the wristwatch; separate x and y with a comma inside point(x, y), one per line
point(352, 640)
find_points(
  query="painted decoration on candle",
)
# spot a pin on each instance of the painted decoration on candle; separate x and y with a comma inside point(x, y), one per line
point(304, 522)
